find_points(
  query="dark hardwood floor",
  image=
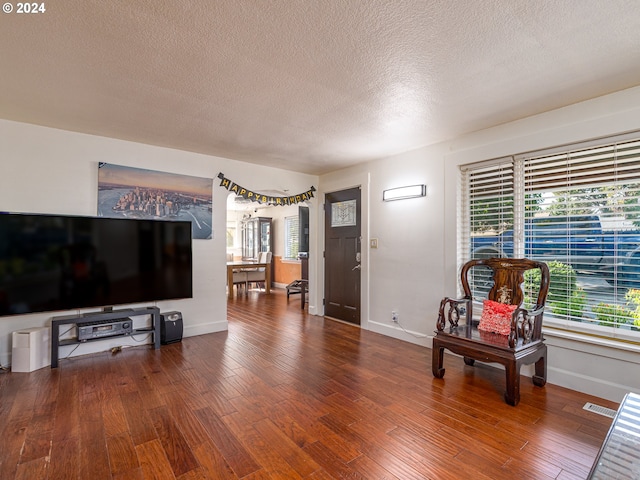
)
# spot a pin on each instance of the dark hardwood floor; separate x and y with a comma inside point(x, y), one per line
point(287, 395)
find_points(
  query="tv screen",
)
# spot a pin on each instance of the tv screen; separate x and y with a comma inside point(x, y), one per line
point(54, 262)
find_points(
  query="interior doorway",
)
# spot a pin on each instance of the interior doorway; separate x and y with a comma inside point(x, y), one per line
point(289, 236)
point(342, 262)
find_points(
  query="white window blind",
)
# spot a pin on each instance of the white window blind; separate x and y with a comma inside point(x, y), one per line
point(579, 211)
point(488, 199)
point(583, 221)
point(291, 238)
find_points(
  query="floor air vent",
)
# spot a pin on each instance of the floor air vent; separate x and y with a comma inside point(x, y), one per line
point(600, 410)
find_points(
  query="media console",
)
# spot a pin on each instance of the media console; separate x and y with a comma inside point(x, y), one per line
point(102, 325)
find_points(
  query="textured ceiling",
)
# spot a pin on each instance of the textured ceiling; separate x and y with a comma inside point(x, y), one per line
point(309, 85)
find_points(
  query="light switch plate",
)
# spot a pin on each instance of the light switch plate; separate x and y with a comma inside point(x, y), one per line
point(373, 243)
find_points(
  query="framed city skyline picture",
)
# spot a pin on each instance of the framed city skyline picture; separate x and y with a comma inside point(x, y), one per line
point(128, 192)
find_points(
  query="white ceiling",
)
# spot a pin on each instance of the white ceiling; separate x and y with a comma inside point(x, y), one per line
point(309, 85)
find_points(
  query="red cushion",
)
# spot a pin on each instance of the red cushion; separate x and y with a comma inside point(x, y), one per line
point(496, 317)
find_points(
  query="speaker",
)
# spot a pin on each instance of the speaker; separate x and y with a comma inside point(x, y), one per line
point(31, 348)
point(170, 327)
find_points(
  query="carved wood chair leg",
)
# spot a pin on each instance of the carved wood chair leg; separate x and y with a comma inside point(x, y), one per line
point(469, 361)
point(512, 395)
point(437, 359)
point(540, 376)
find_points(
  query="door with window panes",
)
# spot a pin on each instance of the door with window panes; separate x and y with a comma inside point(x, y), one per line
point(342, 255)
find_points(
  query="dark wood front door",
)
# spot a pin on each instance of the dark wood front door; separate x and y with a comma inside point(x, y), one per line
point(342, 255)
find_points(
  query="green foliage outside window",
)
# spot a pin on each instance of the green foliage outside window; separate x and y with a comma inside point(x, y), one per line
point(617, 315)
point(565, 297)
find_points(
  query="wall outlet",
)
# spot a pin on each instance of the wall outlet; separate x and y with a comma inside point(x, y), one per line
point(395, 317)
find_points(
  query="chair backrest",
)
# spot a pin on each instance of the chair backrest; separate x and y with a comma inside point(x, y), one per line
point(508, 277)
point(264, 257)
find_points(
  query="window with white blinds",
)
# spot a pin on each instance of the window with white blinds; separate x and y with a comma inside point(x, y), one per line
point(489, 195)
point(487, 217)
point(579, 211)
point(291, 238)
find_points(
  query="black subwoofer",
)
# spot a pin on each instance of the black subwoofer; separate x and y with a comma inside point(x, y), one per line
point(170, 327)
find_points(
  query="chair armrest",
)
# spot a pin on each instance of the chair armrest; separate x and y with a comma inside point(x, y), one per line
point(526, 325)
point(456, 307)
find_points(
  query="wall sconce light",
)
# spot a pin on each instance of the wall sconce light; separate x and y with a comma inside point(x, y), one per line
point(400, 193)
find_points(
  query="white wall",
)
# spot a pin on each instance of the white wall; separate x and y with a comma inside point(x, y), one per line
point(46, 170)
point(415, 263)
point(404, 274)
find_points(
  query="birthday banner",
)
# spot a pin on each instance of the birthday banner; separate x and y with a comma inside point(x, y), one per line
point(260, 198)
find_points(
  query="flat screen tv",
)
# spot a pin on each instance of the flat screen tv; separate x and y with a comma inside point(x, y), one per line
point(55, 262)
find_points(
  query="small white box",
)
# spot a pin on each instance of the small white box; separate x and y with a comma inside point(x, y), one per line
point(31, 349)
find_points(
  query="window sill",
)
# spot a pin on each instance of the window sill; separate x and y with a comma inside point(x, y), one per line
point(625, 349)
point(590, 330)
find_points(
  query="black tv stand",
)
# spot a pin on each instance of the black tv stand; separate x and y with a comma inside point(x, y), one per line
point(102, 317)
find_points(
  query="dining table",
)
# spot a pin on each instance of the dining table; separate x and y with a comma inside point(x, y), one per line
point(247, 265)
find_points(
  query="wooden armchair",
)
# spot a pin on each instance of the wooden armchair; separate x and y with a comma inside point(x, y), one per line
point(520, 341)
